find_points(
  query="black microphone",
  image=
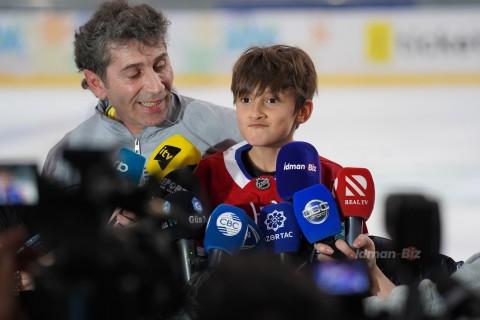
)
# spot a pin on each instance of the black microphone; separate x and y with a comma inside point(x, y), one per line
point(186, 225)
point(413, 222)
point(176, 180)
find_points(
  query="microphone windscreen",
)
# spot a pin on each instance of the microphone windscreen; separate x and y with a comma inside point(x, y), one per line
point(418, 215)
point(187, 216)
point(226, 229)
point(174, 181)
point(316, 212)
point(176, 152)
point(298, 167)
point(355, 192)
point(254, 239)
point(280, 228)
point(130, 165)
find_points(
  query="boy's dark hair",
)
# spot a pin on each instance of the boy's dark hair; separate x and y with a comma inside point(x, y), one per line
point(277, 67)
point(116, 23)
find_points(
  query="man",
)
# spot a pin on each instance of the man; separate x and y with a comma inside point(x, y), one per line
point(123, 55)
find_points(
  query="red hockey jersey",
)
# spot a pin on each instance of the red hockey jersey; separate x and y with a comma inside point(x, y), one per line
point(225, 179)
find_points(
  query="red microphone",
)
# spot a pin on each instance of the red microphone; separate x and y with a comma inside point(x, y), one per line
point(355, 193)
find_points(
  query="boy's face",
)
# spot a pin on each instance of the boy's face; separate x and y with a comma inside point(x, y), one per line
point(138, 85)
point(267, 120)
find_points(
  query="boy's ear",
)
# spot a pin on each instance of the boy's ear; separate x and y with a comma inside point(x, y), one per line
point(305, 112)
point(95, 84)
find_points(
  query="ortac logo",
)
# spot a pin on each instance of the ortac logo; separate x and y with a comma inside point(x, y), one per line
point(316, 211)
point(229, 224)
point(275, 220)
point(165, 155)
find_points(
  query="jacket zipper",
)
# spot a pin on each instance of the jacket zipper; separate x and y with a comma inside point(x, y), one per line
point(137, 145)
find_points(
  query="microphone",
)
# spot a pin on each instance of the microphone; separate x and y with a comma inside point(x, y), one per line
point(177, 180)
point(281, 230)
point(298, 167)
point(225, 233)
point(254, 239)
point(34, 247)
point(176, 152)
point(187, 224)
point(316, 212)
point(421, 244)
point(129, 164)
point(355, 193)
point(413, 222)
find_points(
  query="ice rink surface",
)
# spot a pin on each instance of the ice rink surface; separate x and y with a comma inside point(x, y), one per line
point(422, 139)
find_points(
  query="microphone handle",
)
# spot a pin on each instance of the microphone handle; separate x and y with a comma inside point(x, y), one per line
point(215, 256)
point(286, 258)
point(353, 228)
point(187, 249)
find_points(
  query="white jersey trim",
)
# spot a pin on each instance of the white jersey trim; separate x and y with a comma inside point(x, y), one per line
point(235, 167)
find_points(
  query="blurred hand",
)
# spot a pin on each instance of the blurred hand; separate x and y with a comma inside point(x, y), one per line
point(381, 285)
point(362, 243)
point(125, 218)
point(10, 241)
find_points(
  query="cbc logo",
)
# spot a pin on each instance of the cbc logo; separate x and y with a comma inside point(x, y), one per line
point(121, 166)
point(229, 224)
point(316, 211)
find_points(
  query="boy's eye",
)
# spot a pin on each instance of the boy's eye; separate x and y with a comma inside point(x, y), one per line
point(272, 100)
point(244, 100)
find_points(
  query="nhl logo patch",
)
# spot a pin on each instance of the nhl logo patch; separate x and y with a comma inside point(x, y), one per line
point(262, 183)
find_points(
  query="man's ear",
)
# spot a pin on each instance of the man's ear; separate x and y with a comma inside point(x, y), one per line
point(305, 112)
point(95, 84)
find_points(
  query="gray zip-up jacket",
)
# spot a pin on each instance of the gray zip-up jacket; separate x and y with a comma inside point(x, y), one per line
point(202, 123)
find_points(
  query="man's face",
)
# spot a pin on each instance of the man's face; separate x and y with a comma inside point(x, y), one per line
point(138, 85)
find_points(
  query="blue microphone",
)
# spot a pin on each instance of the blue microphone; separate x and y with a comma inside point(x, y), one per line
point(130, 165)
point(317, 213)
point(225, 232)
point(281, 230)
point(254, 240)
point(298, 167)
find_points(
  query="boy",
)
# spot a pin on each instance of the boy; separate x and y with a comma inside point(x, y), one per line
point(273, 88)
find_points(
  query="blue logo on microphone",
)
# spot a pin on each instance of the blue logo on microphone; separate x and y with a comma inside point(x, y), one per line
point(316, 211)
point(197, 205)
point(229, 224)
point(275, 220)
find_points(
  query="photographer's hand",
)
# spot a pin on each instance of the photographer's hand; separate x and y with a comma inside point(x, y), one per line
point(122, 218)
point(10, 241)
point(381, 285)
